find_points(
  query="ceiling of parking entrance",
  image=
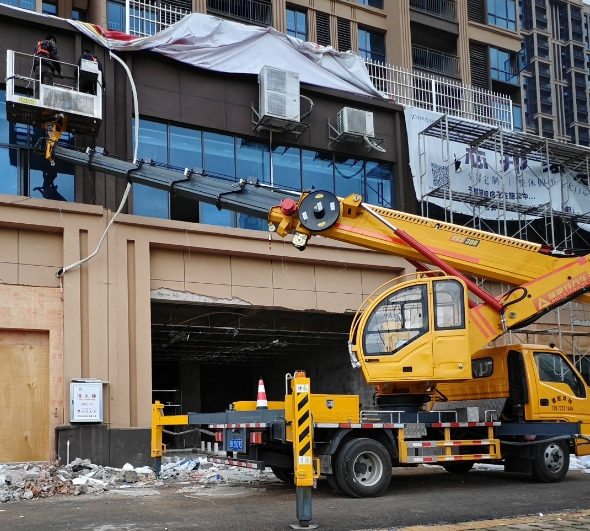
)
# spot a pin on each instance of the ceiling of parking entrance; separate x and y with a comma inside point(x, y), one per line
point(214, 335)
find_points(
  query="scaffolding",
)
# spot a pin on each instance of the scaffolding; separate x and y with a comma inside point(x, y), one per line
point(569, 326)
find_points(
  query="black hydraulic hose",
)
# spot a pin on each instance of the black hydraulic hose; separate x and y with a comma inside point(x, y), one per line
point(552, 439)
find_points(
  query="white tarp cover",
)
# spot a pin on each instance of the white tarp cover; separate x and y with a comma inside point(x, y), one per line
point(224, 46)
point(525, 182)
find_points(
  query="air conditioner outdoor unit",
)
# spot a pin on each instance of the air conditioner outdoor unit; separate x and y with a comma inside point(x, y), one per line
point(355, 122)
point(279, 94)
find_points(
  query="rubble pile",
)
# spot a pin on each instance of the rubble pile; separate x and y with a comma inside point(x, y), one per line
point(28, 481)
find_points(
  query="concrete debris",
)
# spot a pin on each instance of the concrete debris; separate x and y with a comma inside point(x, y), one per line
point(28, 481)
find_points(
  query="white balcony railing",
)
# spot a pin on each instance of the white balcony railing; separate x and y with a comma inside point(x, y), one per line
point(147, 17)
point(440, 8)
point(420, 89)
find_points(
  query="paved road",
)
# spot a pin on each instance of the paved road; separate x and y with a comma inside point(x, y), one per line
point(416, 497)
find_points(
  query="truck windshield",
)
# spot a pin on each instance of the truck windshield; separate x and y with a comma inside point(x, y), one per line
point(553, 368)
point(400, 319)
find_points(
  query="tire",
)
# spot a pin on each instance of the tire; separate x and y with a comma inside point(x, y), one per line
point(284, 474)
point(363, 468)
point(333, 482)
point(551, 461)
point(460, 467)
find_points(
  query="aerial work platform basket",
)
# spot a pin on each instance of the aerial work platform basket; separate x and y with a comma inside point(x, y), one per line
point(29, 101)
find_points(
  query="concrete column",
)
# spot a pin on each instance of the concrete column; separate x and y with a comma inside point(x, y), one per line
point(398, 40)
point(199, 6)
point(64, 8)
point(354, 36)
point(463, 42)
point(312, 34)
point(334, 31)
point(190, 397)
point(279, 15)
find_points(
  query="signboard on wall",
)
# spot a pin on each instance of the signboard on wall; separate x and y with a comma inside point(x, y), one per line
point(483, 174)
point(86, 401)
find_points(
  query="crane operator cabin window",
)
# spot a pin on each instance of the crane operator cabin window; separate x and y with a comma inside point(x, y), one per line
point(400, 319)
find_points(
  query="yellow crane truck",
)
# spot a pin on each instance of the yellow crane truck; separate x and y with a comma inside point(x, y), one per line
point(442, 394)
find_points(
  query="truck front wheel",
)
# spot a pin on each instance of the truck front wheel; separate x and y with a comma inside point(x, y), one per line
point(284, 474)
point(363, 468)
point(551, 461)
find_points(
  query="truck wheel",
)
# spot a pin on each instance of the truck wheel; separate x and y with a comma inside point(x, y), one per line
point(284, 474)
point(334, 484)
point(363, 468)
point(551, 461)
point(460, 467)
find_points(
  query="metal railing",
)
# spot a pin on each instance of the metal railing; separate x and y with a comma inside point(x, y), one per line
point(435, 61)
point(420, 89)
point(257, 11)
point(147, 17)
point(441, 8)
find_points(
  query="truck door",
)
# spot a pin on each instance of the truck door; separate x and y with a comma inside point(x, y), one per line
point(561, 392)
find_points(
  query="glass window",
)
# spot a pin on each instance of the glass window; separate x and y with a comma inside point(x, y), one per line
point(373, 3)
point(79, 14)
point(553, 368)
point(379, 184)
point(25, 4)
point(503, 66)
point(482, 368)
point(115, 16)
point(318, 170)
point(9, 174)
point(371, 45)
point(297, 24)
point(150, 202)
point(185, 148)
point(399, 319)
point(517, 117)
point(211, 216)
point(286, 162)
point(220, 160)
point(502, 13)
point(449, 303)
point(153, 141)
point(49, 8)
point(349, 176)
point(253, 160)
point(4, 123)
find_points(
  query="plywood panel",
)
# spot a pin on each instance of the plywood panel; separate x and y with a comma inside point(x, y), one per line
point(24, 398)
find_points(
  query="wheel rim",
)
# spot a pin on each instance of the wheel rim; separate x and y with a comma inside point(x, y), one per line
point(368, 469)
point(554, 458)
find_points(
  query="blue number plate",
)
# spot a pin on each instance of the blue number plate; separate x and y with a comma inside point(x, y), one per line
point(236, 445)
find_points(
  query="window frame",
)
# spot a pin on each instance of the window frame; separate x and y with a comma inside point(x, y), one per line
point(297, 11)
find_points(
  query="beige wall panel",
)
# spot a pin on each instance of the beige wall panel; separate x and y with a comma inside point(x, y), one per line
point(251, 272)
point(493, 36)
point(209, 290)
point(168, 284)
point(295, 299)
point(9, 245)
point(8, 273)
point(338, 302)
point(372, 279)
point(166, 264)
point(288, 274)
point(207, 268)
point(253, 295)
point(338, 279)
point(56, 382)
point(30, 275)
point(24, 403)
point(40, 248)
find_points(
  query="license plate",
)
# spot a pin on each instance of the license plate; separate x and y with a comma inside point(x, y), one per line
point(236, 445)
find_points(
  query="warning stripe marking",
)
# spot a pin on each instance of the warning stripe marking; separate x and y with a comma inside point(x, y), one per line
point(435, 459)
point(461, 424)
point(233, 462)
point(242, 425)
point(432, 444)
point(356, 426)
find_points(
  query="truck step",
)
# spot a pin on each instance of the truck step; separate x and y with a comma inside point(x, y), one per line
point(256, 465)
point(434, 444)
point(449, 458)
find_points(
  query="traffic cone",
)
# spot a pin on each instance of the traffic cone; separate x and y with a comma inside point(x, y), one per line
point(261, 402)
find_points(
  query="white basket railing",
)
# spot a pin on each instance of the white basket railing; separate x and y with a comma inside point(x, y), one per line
point(419, 89)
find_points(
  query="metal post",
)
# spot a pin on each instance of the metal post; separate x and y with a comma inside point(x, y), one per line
point(433, 95)
point(503, 179)
point(305, 474)
point(550, 194)
point(127, 16)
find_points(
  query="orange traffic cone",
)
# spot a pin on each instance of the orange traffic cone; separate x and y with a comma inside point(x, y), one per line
point(261, 402)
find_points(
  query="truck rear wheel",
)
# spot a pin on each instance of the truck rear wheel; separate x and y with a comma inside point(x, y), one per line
point(363, 468)
point(333, 482)
point(460, 467)
point(284, 474)
point(551, 461)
